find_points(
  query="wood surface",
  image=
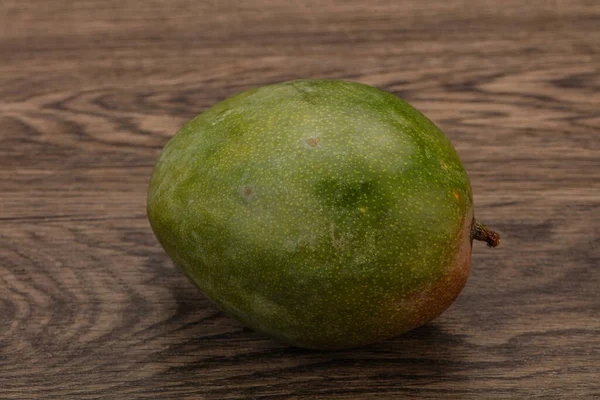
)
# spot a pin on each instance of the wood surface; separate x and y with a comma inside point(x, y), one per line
point(92, 308)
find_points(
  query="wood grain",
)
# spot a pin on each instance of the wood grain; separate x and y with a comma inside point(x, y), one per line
point(91, 307)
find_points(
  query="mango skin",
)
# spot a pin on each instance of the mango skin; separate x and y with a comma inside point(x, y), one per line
point(326, 214)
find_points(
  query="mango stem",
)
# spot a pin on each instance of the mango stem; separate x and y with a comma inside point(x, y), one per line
point(481, 232)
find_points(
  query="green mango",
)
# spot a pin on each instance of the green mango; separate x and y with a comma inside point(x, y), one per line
point(325, 214)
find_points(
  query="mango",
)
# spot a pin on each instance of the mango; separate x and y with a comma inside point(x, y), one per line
point(325, 214)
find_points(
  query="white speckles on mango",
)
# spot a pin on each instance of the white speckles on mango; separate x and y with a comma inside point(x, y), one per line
point(339, 241)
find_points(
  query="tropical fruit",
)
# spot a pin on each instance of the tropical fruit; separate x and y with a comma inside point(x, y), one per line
point(326, 214)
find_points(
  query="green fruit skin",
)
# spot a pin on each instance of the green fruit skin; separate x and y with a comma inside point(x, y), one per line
point(326, 214)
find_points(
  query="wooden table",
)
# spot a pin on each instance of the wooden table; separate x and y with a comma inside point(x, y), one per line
point(90, 305)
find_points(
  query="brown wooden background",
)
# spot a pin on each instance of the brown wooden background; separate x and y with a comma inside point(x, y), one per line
point(90, 306)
